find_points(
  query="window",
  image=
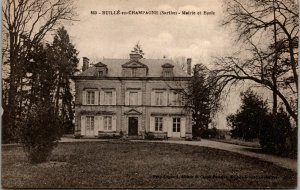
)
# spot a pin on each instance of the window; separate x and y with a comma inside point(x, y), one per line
point(176, 124)
point(158, 123)
point(90, 123)
point(107, 123)
point(108, 97)
point(133, 98)
point(133, 72)
point(90, 97)
point(176, 98)
point(158, 98)
point(167, 73)
point(100, 73)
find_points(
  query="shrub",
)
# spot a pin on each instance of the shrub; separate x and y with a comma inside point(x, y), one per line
point(40, 133)
point(277, 136)
point(149, 136)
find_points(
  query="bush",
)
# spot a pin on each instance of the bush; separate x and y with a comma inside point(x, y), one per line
point(277, 136)
point(210, 133)
point(149, 136)
point(40, 133)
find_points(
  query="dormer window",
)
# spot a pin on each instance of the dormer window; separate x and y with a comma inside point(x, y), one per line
point(101, 70)
point(167, 70)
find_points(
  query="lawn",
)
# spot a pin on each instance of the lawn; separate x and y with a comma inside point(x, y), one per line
point(117, 164)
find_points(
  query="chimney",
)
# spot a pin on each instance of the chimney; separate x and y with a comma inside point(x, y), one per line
point(85, 63)
point(135, 56)
point(189, 66)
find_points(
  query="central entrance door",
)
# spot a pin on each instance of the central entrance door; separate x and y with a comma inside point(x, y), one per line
point(133, 126)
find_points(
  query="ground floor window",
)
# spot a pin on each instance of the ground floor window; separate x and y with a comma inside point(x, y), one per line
point(158, 123)
point(107, 123)
point(90, 122)
point(176, 124)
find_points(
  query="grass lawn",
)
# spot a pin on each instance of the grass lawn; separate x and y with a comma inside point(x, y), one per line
point(134, 164)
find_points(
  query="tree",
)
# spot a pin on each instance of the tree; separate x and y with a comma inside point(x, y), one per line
point(278, 137)
point(246, 123)
point(201, 99)
point(137, 49)
point(26, 22)
point(269, 31)
point(64, 56)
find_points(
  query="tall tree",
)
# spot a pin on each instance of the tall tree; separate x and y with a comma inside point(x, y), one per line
point(202, 99)
point(26, 22)
point(64, 55)
point(269, 31)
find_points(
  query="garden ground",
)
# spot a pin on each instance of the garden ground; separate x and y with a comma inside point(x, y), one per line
point(108, 164)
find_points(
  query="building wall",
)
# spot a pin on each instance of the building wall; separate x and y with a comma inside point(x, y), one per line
point(121, 109)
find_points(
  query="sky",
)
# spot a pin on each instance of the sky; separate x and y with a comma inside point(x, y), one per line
point(199, 37)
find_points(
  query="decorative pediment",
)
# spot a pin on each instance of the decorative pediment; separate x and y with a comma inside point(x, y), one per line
point(100, 65)
point(133, 112)
point(167, 65)
point(134, 64)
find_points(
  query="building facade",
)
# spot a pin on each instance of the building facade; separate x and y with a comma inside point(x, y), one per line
point(132, 97)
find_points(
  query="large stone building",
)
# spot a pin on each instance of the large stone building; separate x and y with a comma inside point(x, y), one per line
point(132, 97)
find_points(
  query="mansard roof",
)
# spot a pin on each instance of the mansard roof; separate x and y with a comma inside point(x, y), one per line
point(134, 64)
point(154, 66)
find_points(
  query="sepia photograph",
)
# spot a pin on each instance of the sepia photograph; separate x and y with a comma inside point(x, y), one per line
point(149, 94)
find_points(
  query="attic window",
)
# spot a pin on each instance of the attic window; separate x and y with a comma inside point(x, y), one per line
point(100, 73)
point(167, 73)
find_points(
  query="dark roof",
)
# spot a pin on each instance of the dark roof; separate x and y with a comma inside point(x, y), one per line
point(99, 64)
point(167, 65)
point(114, 67)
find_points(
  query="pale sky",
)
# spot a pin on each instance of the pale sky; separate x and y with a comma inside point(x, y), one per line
point(190, 36)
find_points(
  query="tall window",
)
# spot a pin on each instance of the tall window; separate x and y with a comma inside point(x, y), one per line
point(176, 98)
point(133, 98)
point(108, 97)
point(158, 98)
point(176, 124)
point(90, 123)
point(90, 97)
point(100, 73)
point(158, 123)
point(107, 123)
point(133, 72)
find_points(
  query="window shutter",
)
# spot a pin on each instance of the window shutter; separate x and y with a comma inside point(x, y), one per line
point(100, 123)
point(170, 126)
point(152, 123)
point(182, 127)
point(84, 97)
point(96, 129)
point(127, 98)
point(114, 123)
point(165, 124)
point(152, 98)
point(82, 123)
point(139, 97)
point(171, 98)
point(165, 98)
point(101, 97)
point(114, 97)
point(96, 97)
